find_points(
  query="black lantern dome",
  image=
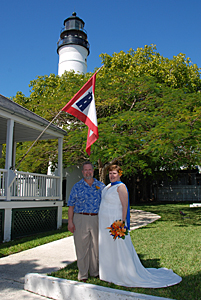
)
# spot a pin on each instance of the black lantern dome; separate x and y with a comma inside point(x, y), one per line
point(73, 33)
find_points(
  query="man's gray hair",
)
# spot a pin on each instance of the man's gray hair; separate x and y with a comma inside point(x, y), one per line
point(87, 163)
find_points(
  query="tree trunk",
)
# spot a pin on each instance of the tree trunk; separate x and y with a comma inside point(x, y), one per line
point(102, 171)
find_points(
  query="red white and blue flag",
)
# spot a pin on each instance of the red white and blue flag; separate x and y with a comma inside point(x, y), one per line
point(82, 106)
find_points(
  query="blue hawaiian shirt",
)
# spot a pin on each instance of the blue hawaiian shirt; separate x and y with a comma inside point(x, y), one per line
point(86, 198)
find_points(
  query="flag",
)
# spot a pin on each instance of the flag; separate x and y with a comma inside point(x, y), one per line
point(82, 106)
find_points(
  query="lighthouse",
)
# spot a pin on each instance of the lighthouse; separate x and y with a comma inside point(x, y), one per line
point(73, 46)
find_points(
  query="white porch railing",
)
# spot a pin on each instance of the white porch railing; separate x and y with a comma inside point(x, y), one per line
point(30, 186)
point(3, 176)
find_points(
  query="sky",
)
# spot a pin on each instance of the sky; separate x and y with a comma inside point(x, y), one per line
point(30, 30)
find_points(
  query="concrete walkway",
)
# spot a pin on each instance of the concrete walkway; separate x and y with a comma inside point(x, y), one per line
point(46, 259)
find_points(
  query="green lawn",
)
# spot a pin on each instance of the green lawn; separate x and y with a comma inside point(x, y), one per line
point(173, 242)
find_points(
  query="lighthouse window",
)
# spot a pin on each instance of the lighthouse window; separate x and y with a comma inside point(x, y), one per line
point(76, 24)
point(70, 24)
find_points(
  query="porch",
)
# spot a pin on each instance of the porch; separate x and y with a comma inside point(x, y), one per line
point(29, 202)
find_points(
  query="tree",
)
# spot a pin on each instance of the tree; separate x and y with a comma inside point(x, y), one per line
point(178, 72)
point(148, 110)
point(48, 95)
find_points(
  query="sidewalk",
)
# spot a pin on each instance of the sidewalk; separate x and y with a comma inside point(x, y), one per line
point(46, 259)
point(42, 259)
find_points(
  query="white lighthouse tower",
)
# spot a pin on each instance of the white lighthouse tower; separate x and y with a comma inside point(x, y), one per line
point(73, 46)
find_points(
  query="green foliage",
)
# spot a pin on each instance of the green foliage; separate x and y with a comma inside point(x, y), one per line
point(48, 95)
point(38, 158)
point(178, 72)
point(3, 157)
point(148, 110)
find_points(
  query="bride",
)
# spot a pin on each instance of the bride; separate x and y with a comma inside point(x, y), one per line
point(118, 260)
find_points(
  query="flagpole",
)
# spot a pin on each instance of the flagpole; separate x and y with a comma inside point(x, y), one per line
point(99, 69)
point(38, 139)
point(46, 129)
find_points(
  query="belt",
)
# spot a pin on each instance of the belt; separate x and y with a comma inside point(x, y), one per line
point(87, 214)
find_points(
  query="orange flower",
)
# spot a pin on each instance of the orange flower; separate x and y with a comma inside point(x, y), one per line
point(118, 229)
point(97, 187)
point(120, 173)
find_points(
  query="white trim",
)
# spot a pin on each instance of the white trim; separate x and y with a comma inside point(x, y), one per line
point(34, 198)
point(28, 204)
point(29, 123)
point(36, 174)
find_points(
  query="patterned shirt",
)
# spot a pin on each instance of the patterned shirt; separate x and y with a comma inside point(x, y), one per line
point(86, 198)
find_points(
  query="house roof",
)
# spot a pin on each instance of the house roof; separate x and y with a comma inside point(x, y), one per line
point(27, 125)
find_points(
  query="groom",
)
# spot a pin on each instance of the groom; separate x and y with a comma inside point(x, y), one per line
point(84, 202)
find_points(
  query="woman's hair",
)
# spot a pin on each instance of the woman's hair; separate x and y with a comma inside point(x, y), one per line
point(115, 168)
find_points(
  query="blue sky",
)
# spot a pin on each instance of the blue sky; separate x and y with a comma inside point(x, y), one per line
point(29, 31)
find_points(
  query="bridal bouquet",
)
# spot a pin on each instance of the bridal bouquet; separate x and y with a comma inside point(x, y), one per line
point(118, 229)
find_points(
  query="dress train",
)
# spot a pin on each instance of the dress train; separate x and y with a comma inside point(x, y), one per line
point(118, 260)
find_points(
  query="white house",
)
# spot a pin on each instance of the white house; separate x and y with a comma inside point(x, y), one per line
point(29, 202)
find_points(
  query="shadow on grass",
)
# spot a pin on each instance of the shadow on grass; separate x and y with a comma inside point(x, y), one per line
point(171, 212)
point(149, 263)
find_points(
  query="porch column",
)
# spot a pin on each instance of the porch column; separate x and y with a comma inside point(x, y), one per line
point(8, 164)
point(7, 224)
point(60, 174)
point(9, 150)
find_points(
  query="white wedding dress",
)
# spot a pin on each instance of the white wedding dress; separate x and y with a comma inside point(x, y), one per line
point(118, 260)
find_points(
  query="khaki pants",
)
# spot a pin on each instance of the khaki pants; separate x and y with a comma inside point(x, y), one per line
point(86, 245)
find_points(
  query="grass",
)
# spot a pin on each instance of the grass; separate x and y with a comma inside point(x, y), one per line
point(173, 242)
point(65, 212)
point(29, 242)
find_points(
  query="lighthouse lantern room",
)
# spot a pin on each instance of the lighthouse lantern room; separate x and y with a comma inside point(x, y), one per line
point(73, 46)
